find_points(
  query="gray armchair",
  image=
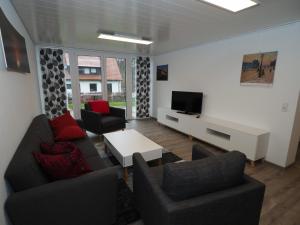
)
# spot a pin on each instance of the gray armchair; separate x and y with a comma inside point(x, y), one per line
point(237, 205)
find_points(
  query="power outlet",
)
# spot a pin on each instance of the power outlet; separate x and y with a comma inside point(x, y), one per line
point(284, 107)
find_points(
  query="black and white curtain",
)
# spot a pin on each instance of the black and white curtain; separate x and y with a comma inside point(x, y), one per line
point(53, 81)
point(143, 87)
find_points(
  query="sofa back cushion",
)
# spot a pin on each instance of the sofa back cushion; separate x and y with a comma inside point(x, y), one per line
point(23, 172)
point(189, 179)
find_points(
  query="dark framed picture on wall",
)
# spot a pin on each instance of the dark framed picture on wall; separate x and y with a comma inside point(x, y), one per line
point(162, 72)
point(14, 47)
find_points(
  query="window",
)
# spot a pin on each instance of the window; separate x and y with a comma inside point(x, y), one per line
point(93, 71)
point(69, 86)
point(86, 70)
point(93, 87)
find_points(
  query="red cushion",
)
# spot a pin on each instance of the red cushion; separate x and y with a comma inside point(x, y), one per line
point(63, 166)
point(99, 106)
point(57, 148)
point(65, 128)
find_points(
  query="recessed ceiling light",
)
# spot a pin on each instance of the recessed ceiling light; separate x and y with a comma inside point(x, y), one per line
point(124, 39)
point(232, 5)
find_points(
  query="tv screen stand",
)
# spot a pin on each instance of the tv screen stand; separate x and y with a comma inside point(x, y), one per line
point(253, 142)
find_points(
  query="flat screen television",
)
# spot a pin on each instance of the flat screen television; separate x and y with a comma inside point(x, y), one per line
point(187, 102)
point(14, 47)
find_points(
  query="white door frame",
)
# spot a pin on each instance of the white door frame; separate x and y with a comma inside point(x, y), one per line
point(103, 56)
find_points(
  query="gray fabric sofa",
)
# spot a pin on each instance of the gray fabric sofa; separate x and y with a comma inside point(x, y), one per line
point(88, 199)
point(239, 204)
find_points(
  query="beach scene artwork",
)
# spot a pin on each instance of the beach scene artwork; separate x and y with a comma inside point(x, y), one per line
point(259, 68)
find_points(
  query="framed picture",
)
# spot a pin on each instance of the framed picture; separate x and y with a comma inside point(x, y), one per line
point(162, 72)
point(259, 69)
point(14, 46)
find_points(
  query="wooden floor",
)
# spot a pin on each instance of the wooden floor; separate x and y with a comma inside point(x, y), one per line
point(282, 199)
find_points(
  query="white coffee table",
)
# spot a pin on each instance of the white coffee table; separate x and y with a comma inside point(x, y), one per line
point(122, 144)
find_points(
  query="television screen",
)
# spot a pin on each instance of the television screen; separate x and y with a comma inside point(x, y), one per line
point(187, 102)
point(14, 47)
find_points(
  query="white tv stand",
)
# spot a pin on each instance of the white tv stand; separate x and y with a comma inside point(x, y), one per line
point(253, 142)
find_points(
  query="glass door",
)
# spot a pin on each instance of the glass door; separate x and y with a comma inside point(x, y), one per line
point(90, 78)
point(116, 82)
point(93, 76)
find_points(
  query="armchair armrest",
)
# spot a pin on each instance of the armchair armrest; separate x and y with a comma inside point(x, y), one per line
point(80, 123)
point(149, 198)
point(88, 199)
point(240, 205)
point(117, 112)
point(199, 152)
point(91, 120)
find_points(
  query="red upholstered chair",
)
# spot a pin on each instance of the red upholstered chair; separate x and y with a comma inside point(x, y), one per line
point(99, 118)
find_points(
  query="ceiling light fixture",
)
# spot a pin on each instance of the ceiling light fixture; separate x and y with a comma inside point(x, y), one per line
point(122, 38)
point(232, 5)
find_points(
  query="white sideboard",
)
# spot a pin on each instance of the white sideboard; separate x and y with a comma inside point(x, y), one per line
point(253, 142)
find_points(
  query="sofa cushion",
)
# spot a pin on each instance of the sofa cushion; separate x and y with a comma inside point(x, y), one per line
point(188, 179)
point(99, 106)
point(95, 162)
point(157, 173)
point(111, 121)
point(86, 146)
point(23, 172)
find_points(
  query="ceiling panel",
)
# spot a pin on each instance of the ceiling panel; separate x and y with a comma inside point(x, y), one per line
point(171, 24)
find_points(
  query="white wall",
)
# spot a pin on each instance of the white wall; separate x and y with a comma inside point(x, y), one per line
point(295, 138)
point(19, 103)
point(215, 69)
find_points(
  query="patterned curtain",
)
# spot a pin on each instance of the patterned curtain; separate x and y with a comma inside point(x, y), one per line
point(143, 87)
point(53, 81)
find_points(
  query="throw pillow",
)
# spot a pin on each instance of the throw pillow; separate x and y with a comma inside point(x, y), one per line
point(63, 166)
point(99, 106)
point(70, 133)
point(65, 128)
point(189, 179)
point(57, 148)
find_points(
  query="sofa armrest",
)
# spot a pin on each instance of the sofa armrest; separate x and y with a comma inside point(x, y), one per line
point(91, 120)
point(88, 199)
point(199, 152)
point(117, 112)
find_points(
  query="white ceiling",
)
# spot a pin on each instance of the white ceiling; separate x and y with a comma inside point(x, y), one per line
point(171, 24)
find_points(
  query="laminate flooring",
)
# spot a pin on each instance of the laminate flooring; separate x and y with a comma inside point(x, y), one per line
point(282, 198)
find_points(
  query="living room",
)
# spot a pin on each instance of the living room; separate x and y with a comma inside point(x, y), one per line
point(196, 47)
